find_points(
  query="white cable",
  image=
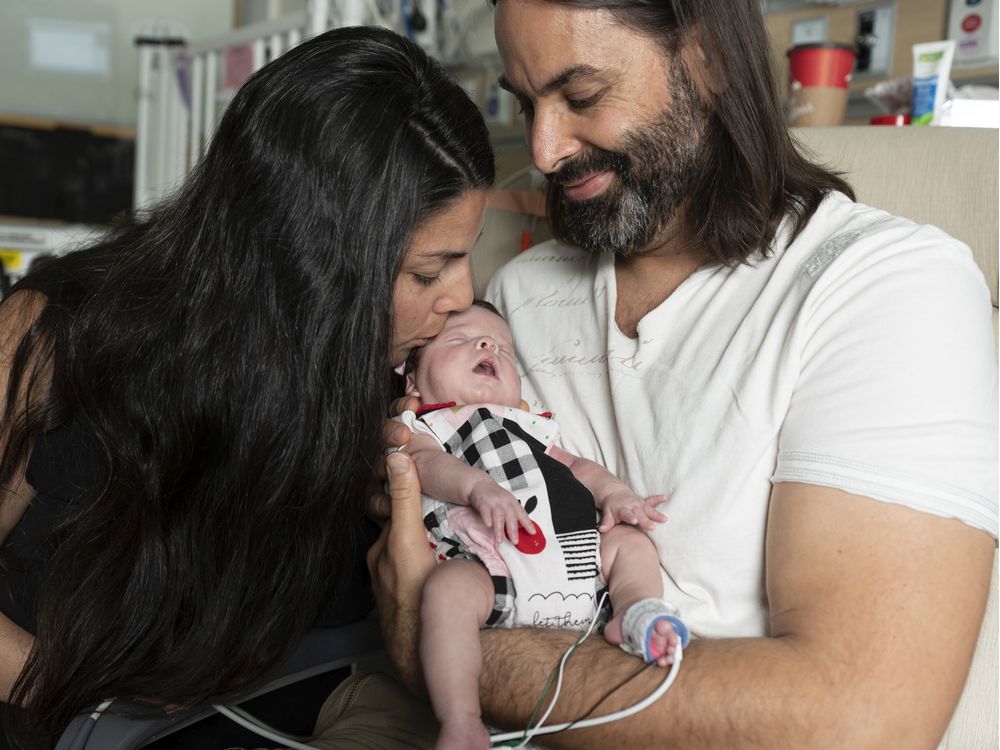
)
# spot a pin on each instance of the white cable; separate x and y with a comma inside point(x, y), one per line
point(559, 678)
point(623, 714)
point(101, 709)
point(257, 728)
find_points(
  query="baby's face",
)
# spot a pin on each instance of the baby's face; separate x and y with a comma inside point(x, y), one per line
point(470, 362)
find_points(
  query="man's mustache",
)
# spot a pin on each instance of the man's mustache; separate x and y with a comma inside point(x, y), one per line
point(595, 160)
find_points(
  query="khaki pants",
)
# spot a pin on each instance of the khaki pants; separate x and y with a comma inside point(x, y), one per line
point(373, 711)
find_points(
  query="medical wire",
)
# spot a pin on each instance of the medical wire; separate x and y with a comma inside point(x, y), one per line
point(615, 716)
point(529, 733)
point(248, 722)
point(526, 735)
point(83, 734)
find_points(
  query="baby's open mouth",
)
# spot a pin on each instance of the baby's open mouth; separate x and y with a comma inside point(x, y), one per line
point(486, 367)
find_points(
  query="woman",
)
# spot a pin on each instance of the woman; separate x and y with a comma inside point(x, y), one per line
point(193, 404)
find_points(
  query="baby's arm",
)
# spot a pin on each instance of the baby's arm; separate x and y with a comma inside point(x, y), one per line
point(615, 499)
point(451, 480)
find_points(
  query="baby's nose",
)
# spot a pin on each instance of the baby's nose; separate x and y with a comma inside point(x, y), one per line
point(487, 343)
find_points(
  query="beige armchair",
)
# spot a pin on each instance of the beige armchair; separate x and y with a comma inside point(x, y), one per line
point(946, 177)
point(941, 176)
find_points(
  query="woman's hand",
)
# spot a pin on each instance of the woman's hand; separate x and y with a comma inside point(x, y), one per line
point(399, 563)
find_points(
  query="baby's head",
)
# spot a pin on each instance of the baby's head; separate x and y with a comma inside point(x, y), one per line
point(470, 362)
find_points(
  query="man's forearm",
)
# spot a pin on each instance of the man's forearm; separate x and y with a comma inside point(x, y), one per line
point(852, 661)
point(737, 693)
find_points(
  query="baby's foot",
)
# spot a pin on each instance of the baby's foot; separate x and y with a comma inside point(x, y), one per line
point(660, 646)
point(463, 733)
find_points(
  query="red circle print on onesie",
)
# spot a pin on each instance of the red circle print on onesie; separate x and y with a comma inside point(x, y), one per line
point(530, 544)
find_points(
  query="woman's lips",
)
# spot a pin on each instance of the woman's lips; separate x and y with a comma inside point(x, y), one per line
point(588, 187)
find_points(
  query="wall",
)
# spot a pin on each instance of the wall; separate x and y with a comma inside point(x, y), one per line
point(88, 98)
point(916, 21)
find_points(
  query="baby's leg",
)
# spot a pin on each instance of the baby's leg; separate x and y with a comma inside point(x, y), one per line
point(457, 599)
point(632, 569)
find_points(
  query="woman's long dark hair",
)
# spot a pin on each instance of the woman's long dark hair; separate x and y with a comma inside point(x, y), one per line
point(753, 176)
point(230, 353)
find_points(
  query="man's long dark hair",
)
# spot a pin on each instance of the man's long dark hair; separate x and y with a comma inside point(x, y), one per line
point(753, 176)
point(230, 354)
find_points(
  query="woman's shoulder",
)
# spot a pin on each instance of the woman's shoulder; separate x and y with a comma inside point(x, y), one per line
point(18, 313)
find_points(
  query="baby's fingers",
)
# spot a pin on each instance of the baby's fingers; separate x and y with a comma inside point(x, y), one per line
point(655, 515)
point(646, 521)
point(500, 524)
point(608, 521)
point(524, 519)
point(513, 520)
point(629, 516)
point(652, 512)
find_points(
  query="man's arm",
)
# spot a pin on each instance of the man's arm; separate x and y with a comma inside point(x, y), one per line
point(875, 611)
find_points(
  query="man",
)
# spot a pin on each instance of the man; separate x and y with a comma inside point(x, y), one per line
point(806, 377)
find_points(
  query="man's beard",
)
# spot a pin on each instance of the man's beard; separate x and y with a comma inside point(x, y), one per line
point(655, 169)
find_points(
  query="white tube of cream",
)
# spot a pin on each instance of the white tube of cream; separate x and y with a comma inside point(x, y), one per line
point(931, 73)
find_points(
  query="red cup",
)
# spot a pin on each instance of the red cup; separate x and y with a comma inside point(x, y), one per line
point(890, 120)
point(818, 77)
point(821, 64)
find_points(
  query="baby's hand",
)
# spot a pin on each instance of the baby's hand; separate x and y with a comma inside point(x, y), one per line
point(627, 507)
point(499, 510)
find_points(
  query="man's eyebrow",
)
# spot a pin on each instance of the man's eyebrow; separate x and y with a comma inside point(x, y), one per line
point(574, 73)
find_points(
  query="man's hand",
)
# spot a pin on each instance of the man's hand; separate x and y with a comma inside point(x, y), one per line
point(399, 563)
point(394, 435)
point(625, 506)
point(499, 509)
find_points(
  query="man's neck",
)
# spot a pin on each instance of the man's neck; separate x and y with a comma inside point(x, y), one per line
point(645, 280)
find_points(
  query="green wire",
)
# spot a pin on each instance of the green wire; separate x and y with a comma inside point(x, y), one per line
point(545, 691)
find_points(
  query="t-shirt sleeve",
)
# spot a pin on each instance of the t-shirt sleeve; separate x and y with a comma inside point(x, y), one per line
point(897, 391)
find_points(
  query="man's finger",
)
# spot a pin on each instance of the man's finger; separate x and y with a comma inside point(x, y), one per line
point(395, 434)
point(405, 403)
point(404, 492)
point(376, 550)
point(379, 507)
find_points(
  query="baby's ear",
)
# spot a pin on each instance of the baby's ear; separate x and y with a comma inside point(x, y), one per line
point(411, 386)
point(524, 405)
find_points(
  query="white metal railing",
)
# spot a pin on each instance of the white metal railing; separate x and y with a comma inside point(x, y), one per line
point(181, 94)
point(180, 100)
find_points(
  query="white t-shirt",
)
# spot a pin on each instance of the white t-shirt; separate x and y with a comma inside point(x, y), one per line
point(859, 357)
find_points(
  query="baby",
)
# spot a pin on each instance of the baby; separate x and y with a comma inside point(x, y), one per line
point(511, 518)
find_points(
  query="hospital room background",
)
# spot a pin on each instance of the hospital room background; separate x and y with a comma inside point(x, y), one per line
point(106, 104)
